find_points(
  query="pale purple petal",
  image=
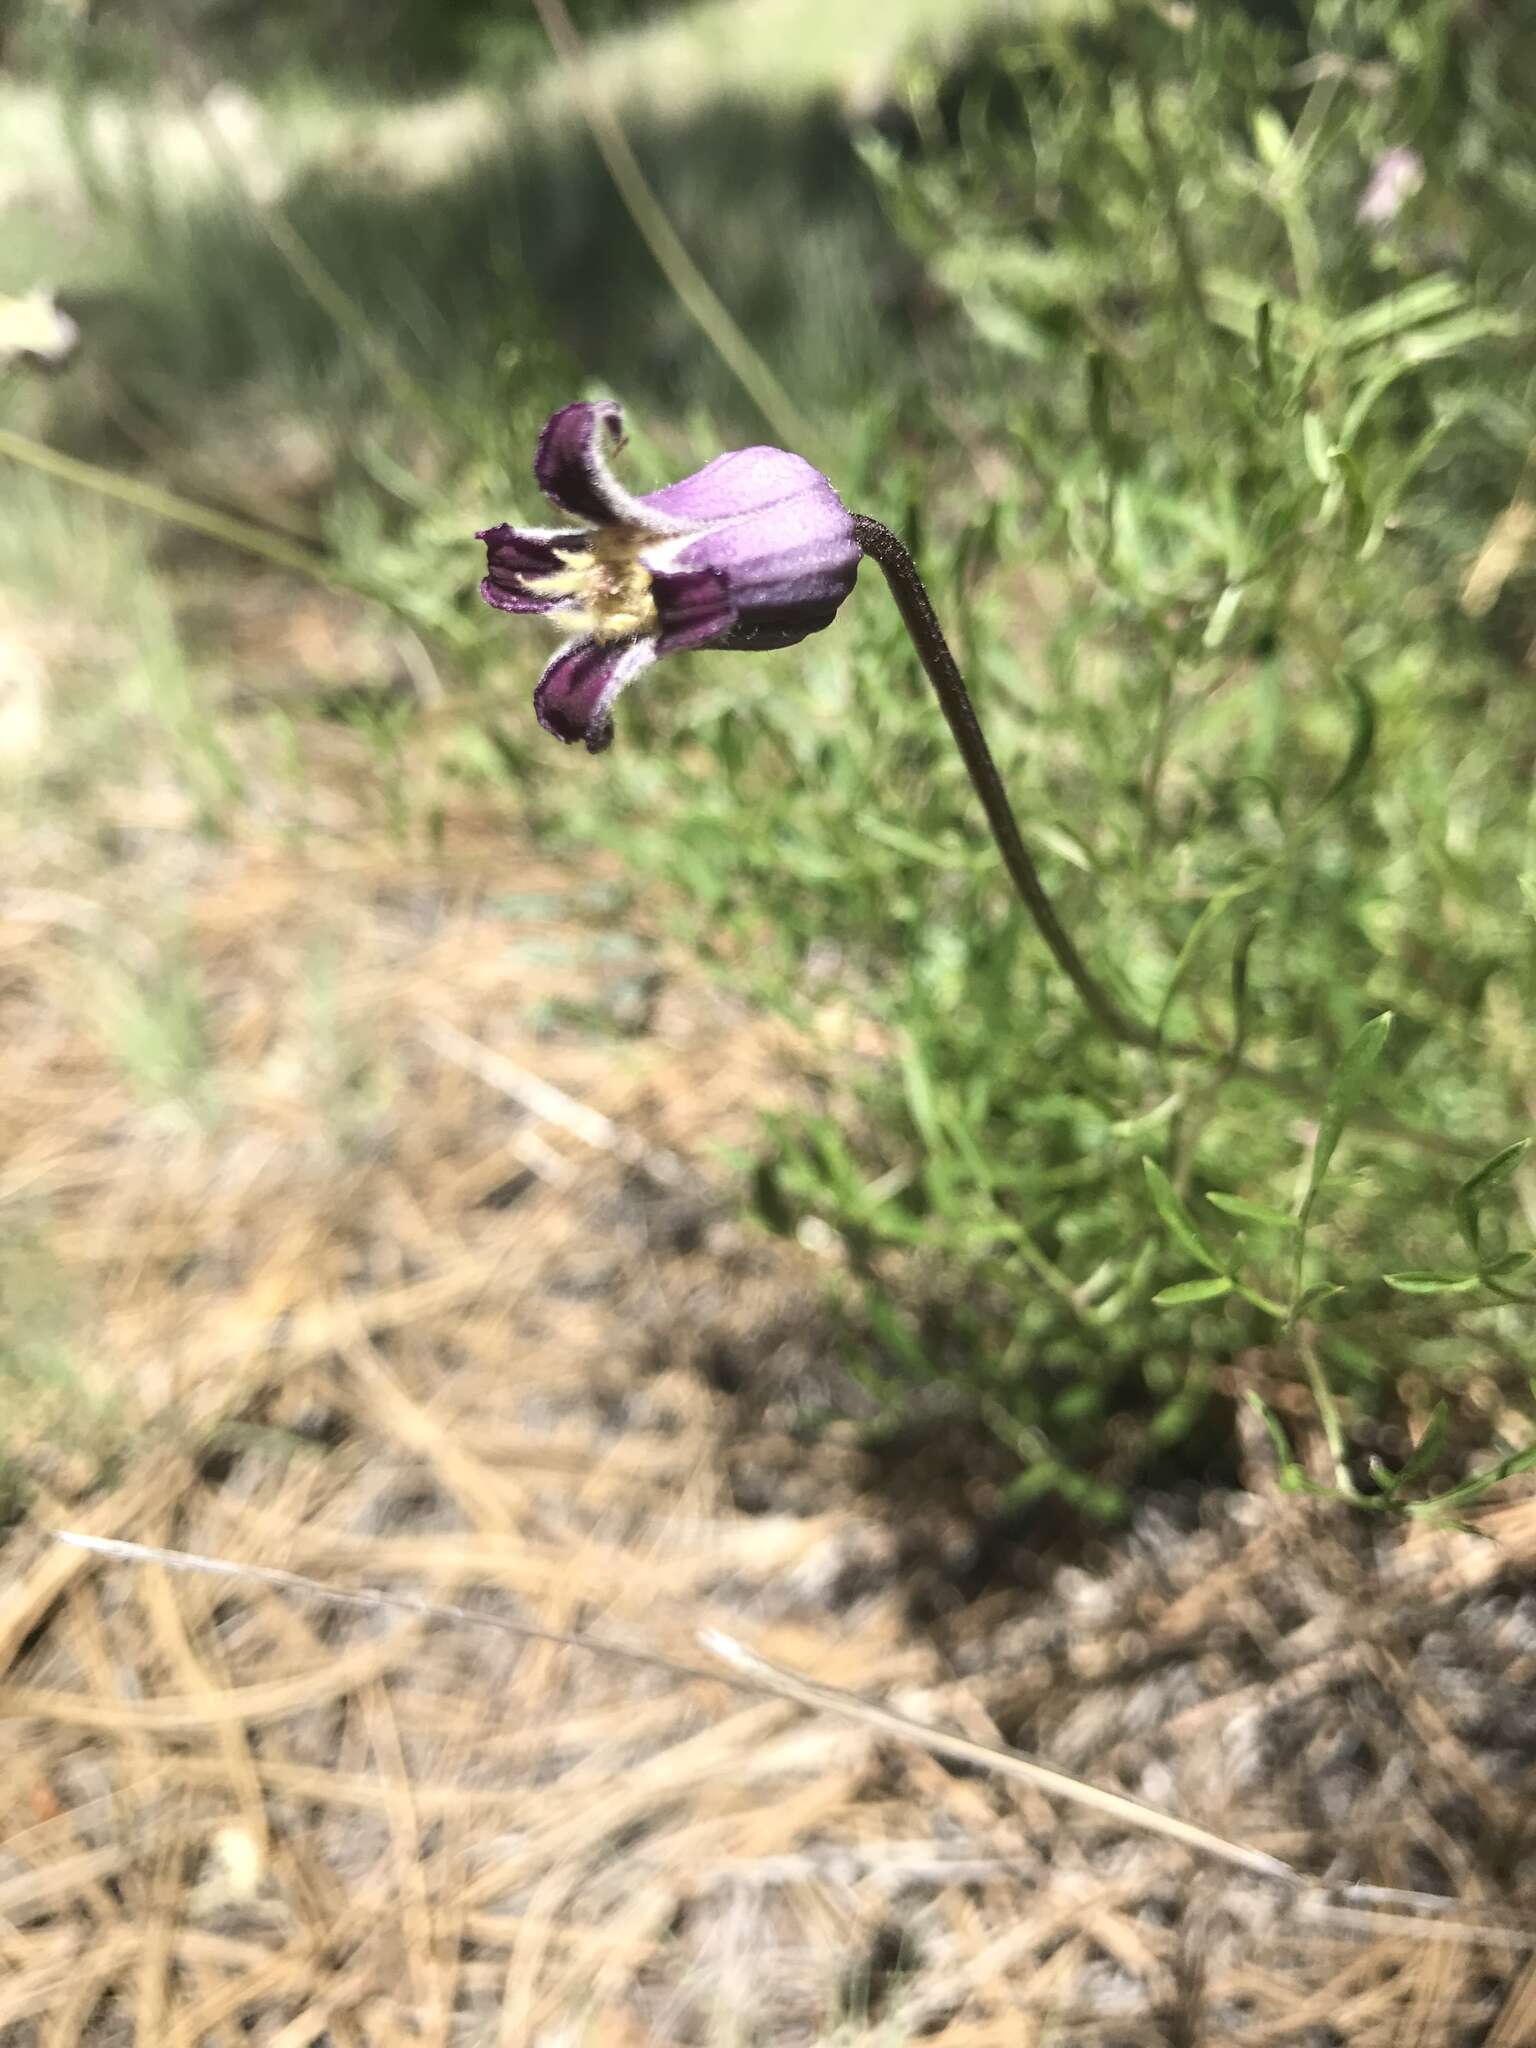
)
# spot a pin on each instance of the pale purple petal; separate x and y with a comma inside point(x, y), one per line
point(571, 469)
point(745, 481)
point(577, 691)
point(772, 565)
point(789, 560)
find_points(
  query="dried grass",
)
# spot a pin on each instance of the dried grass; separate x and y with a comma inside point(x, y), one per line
point(379, 1311)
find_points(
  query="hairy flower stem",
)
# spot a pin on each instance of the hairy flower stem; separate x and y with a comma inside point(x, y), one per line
point(927, 636)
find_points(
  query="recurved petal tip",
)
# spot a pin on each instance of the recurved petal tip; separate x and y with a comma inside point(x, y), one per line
point(515, 555)
point(577, 692)
point(571, 468)
point(570, 464)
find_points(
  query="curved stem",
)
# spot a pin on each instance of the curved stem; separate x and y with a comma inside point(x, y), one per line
point(162, 504)
point(927, 636)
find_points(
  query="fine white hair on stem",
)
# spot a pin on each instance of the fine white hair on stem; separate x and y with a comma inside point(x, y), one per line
point(1367, 1908)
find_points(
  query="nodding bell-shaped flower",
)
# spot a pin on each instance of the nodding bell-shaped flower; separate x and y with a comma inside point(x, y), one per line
point(754, 551)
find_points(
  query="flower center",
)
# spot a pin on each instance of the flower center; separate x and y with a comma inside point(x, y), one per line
point(610, 585)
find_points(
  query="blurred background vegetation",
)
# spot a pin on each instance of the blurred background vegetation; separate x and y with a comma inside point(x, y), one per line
point(1189, 348)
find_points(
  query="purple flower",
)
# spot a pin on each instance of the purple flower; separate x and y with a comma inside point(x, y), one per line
point(754, 551)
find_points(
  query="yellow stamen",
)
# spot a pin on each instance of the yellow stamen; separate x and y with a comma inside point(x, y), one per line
point(611, 582)
point(563, 583)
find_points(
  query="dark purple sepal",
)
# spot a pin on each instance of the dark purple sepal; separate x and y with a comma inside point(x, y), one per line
point(529, 551)
point(760, 639)
point(514, 555)
point(575, 697)
point(693, 608)
point(764, 626)
point(517, 600)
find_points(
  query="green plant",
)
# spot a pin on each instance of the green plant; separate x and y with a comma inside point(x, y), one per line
point(1197, 461)
point(1277, 774)
point(152, 1014)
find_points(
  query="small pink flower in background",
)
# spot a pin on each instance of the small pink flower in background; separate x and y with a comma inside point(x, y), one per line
point(1396, 175)
point(754, 551)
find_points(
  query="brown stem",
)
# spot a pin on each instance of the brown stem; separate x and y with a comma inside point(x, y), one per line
point(927, 636)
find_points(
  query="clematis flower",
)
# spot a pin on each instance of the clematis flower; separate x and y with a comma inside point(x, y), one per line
point(756, 550)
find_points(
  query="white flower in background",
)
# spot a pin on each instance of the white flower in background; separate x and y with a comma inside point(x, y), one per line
point(1395, 176)
point(35, 329)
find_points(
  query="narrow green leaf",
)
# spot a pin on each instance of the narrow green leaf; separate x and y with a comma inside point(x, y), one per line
point(1366, 399)
point(1253, 1212)
point(950, 858)
point(1211, 1288)
point(1432, 298)
point(1240, 1003)
point(1316, 447)
point(1276, 1429)
point(1426, 1282)
point(1356, 497)
point(1450, 337)
point(1064, 845)
point(1509, 1262)
point(1349, 1083)
point(1499, 1169)
point(1099, 423)
point(1271, 137)
point(1475, 1189)
point(896, 1339)
point(1209, 912)
point(1316, 1295)
point(1362, 741)
point(1263, 344)
point(1235, 299)
point(1181, 1224)
point(1277, 1309)
point(1224, 612)
point(1388, 366)
point(919, 1090)
point(1474, 1488)
point(1420, 1459)
point(1391, 487)
point(1004, 327)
